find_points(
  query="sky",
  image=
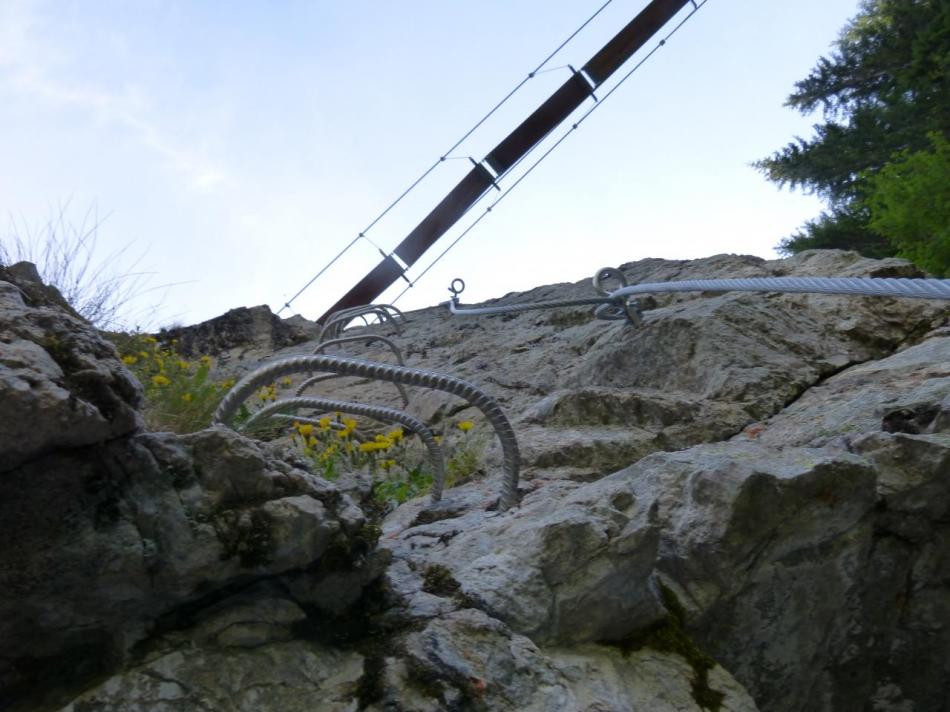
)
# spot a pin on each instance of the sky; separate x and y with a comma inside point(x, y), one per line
point(233, 148)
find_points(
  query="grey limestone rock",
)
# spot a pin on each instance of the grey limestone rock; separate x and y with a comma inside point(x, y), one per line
point(253, 331)
point(570, 565)
point(906, 392)
point(103, 542)
point(589, 397)
point(743, 504)
point(467, 660)
point(244, 655)
point(61, 384)
point(811, 573)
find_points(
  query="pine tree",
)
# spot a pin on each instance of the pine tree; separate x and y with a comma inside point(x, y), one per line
point(909, 202)
point(882, 92)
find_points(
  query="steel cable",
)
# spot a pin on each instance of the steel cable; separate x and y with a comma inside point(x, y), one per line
point(867, 286)
point(617, 304)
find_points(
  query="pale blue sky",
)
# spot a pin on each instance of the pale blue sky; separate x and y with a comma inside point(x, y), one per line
point(244, 143)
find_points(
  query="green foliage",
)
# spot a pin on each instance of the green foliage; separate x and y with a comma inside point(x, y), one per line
point(845, 227)
point(401, 485)
point(438, 581)
point(909, 201)
point(466, 454)
point(179, 394)
point(884, 88)
point(462, 464)
point(334, 446)
point(405, 481)
point(397, 462)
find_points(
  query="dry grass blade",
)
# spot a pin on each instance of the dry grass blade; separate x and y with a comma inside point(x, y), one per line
point(64, 252)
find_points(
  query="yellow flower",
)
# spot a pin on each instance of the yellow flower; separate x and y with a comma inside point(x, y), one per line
point(227, 384)
point(186, 397)
point(129, 360)
point(286, 381)
point(384, 441)
point(150, 340)
point(387, 464)
point(160, 380)
point(349, 425)
point(324, 423)
point(395, 435)
point(205, 360)
point(465, 425)
point(305, 429)
point(143, 354)
point(312, 441)
point(372, 447)
point(183, 365)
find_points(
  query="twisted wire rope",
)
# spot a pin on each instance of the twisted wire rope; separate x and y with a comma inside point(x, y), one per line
point(618, 304)
point(377, 412)
point(229, 405)
point(867, 286)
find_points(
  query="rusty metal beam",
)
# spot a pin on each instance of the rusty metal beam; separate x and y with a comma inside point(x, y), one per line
point(543, 121)
point(631, 38)
point(444, 215)
point(374, 283)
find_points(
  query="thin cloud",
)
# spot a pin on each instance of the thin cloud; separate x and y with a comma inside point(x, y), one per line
point(28, 70)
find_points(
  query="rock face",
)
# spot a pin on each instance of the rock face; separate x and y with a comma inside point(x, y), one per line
point(589, 397)
point(111, 534)
point(61, 384)
point(249, 329)
point(743, 504)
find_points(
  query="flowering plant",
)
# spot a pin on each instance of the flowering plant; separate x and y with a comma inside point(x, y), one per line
point(180, 396)
point(396, 461)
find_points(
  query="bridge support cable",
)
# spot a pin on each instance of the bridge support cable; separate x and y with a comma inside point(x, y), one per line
point(514, 147)
point(583, 117)
point(446, 154)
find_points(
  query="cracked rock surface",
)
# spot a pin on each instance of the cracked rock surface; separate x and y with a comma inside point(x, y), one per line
point(743, 504)
point(588, 397)
point(61, 384)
